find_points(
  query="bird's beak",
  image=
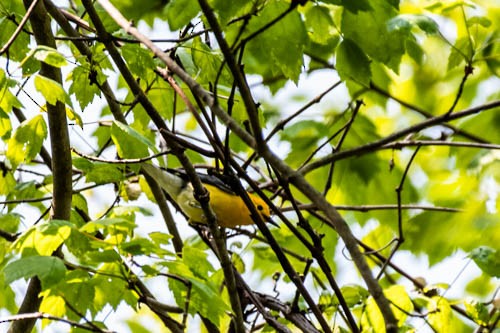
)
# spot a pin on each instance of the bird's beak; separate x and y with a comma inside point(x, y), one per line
point(271, 221)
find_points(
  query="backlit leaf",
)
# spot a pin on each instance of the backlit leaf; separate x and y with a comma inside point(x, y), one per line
point(51, 90)
point(27, 141)
point(50, 270)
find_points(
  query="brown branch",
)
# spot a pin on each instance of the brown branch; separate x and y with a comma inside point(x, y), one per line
point(238, 76)
point(31, 303)
point(207, 98)
point(317, 253)
point(118, 115)
point(85, 50)
point(273, 322)
point(61, 162)
point(368, 208)
point(424, 113)
point(416, 281)
point(467, 71)
point(415, 108)
point(412, 143)
point(200, 192)
point(123, 161)
point(40, 315)
point(297, 179)
point(438, 120)
point(282, 123)
point(400, 239)
point(295, 317)
point(161, 200)
point(251, 109)
point(10, 237)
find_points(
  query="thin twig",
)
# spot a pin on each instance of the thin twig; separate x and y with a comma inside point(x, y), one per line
point(400, 240)
point(282, 123)
point(468, 70)
point(368, 208)
point(123, 161)
point(41, 315)
point(412, 143)
point(438, 120)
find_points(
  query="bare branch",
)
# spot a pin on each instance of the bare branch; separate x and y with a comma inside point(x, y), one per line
point(41, 315)
point(438, 120)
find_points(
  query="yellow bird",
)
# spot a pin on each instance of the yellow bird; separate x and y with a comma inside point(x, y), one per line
point(229, 208)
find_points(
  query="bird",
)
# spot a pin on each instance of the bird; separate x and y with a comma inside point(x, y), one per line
point(229, 208)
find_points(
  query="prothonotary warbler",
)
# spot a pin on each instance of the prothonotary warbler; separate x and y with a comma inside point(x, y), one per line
point(229, 208)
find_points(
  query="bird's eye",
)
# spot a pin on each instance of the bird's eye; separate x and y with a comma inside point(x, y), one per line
point(259, 207)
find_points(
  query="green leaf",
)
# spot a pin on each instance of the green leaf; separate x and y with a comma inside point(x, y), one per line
point(5, 125)
point(352, 63)
point(130, 143)
point(477, 311)
point(181, 12)
point(111, 225)
point(227, 10)
point(481, 286)
point(197, 260)
point(82, 86)
point(487, 259)
point(459, 52)
point(406, 22)
point(490, 53)
point(208, 63)
point(44, 239)
point(397, 295)
point(27, 141)
point(160, 238)
point(354, 294)
point(51, 90)
point(372, 36)
point(7, 296)
point(110, 288)
point(141, 246)
point(139, 59)
point(479, 20)
point(50, 270)
point(7, 99)
point(99, 173)
point(49, 56)
point(279, 49)
point(9, 221)
point(414, 50)
point(303, 136)
point(19, 48)
point(72, 115)
point(319, 23)
point(7, 183)
point(477, 124)
point(102, 256)
point(201, 291)
point(352, 5)
point(440, 315)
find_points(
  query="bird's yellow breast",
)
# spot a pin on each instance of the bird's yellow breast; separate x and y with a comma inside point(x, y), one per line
point(230, 210)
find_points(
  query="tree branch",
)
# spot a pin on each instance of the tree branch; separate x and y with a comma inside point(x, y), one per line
point(40, 315)
point(61, 163)
point(200, 192)
point(438, 120)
